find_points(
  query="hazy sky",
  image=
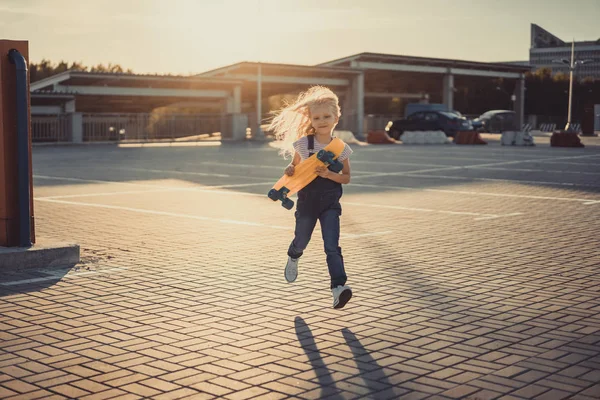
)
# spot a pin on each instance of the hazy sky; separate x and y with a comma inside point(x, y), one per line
point(193, 36)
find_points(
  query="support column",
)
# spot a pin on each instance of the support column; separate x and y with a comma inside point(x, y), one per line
point(520, 102)
point(239, 121)
point(359, 86)
point(448, 91)
point(76, 127)
point(347, 109)
point(259, 133)
point(237, 99)
point(70, 106)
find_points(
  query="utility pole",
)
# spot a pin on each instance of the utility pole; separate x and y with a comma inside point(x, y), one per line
point(572, 64)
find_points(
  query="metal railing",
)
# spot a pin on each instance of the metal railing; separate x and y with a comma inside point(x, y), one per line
point(113, 127)
point(153, 127)
point(50, 128)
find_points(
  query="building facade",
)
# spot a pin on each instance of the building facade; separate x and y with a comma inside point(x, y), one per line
point(546, 48)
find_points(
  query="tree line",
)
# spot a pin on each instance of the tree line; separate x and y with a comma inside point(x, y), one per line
point(46, 68)
point(549, 95)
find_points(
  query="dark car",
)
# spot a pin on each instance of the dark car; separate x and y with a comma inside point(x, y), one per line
point(448, 122)
point(495, 121)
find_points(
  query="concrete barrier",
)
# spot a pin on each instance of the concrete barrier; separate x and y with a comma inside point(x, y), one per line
point(424, 137)
point(565, 139)
point(468, 137)
point(379, 137)
point(517, 138)
point(348, 137)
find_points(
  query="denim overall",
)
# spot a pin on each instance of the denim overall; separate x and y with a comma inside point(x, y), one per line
point(320, 200)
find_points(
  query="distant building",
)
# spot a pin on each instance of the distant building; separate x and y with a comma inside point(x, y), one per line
point(545, 47)
point(520, 63)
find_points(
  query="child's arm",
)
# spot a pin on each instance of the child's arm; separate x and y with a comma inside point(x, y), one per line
point(343, 177)
point(289, 170)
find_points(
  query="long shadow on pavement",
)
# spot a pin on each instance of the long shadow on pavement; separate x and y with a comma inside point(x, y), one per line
point(374, 376)
point(16, 280)
point(135, 165)
point(307, 341)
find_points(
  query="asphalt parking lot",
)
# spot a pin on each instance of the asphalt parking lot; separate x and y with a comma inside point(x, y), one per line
point(475, 270)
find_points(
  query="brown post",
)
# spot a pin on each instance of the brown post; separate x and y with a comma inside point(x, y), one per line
point(9, 226)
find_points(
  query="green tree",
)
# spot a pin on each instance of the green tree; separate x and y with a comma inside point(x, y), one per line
point(46, 68)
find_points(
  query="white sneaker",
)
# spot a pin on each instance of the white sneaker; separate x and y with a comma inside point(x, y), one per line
point(341, 295)
point(291, 269)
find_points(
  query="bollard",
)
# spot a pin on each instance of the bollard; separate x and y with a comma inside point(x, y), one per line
point(16, 187)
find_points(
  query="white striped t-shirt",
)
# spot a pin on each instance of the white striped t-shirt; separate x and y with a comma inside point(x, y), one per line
point(301, 147)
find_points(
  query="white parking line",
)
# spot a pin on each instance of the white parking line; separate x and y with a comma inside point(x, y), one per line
point(214, 189)
point(256, 224)
point(591, 202)
point(518, 196)
point(235, 165)
point(361, 235)
point(253, 166)
point(412, 175)
point(539, 170)
point(400, 163)
point(475, 166)
point(68, 179)
point(427, 210)
point(570, 163)
point(70, 196)
point(455, 153)
point(191, 173)
point(159, 188)
point(165, 213)
point(497, 216)
point(162, 171)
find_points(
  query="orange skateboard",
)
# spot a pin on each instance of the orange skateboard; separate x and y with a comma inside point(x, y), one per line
point(304, 173)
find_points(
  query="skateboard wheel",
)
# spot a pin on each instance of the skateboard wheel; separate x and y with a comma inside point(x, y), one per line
point(287, 204)
point(336, 166)
point(273, 195)
point(327, 157)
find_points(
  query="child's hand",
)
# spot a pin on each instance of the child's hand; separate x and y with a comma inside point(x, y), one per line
point(322, 171)
point(289, 171)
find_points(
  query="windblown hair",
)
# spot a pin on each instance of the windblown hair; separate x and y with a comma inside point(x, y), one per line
point(293, 121)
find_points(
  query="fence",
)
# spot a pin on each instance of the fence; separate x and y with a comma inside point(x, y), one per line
point(153, 127)
point(101, 127)
point(51, 128)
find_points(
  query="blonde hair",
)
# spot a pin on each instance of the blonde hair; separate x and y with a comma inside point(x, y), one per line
point(293, 121)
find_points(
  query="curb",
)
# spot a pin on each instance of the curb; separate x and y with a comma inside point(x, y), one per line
point(39, 256)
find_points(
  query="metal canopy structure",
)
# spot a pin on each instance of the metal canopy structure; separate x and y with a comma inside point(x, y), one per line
point(391, 62)
point(245, 86)
point(262, 80)
point(109, 92)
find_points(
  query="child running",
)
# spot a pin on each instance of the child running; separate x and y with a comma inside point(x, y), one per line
point(305, 127)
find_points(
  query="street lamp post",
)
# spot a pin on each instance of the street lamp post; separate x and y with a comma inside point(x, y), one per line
point(572, 65)
point(512, 97)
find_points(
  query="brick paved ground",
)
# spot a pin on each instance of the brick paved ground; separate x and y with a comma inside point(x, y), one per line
point(475, 270)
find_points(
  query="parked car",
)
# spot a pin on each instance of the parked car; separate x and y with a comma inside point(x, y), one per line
point(495, 121)
point(468, 120)
point(446, 121)
point(412, 108)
